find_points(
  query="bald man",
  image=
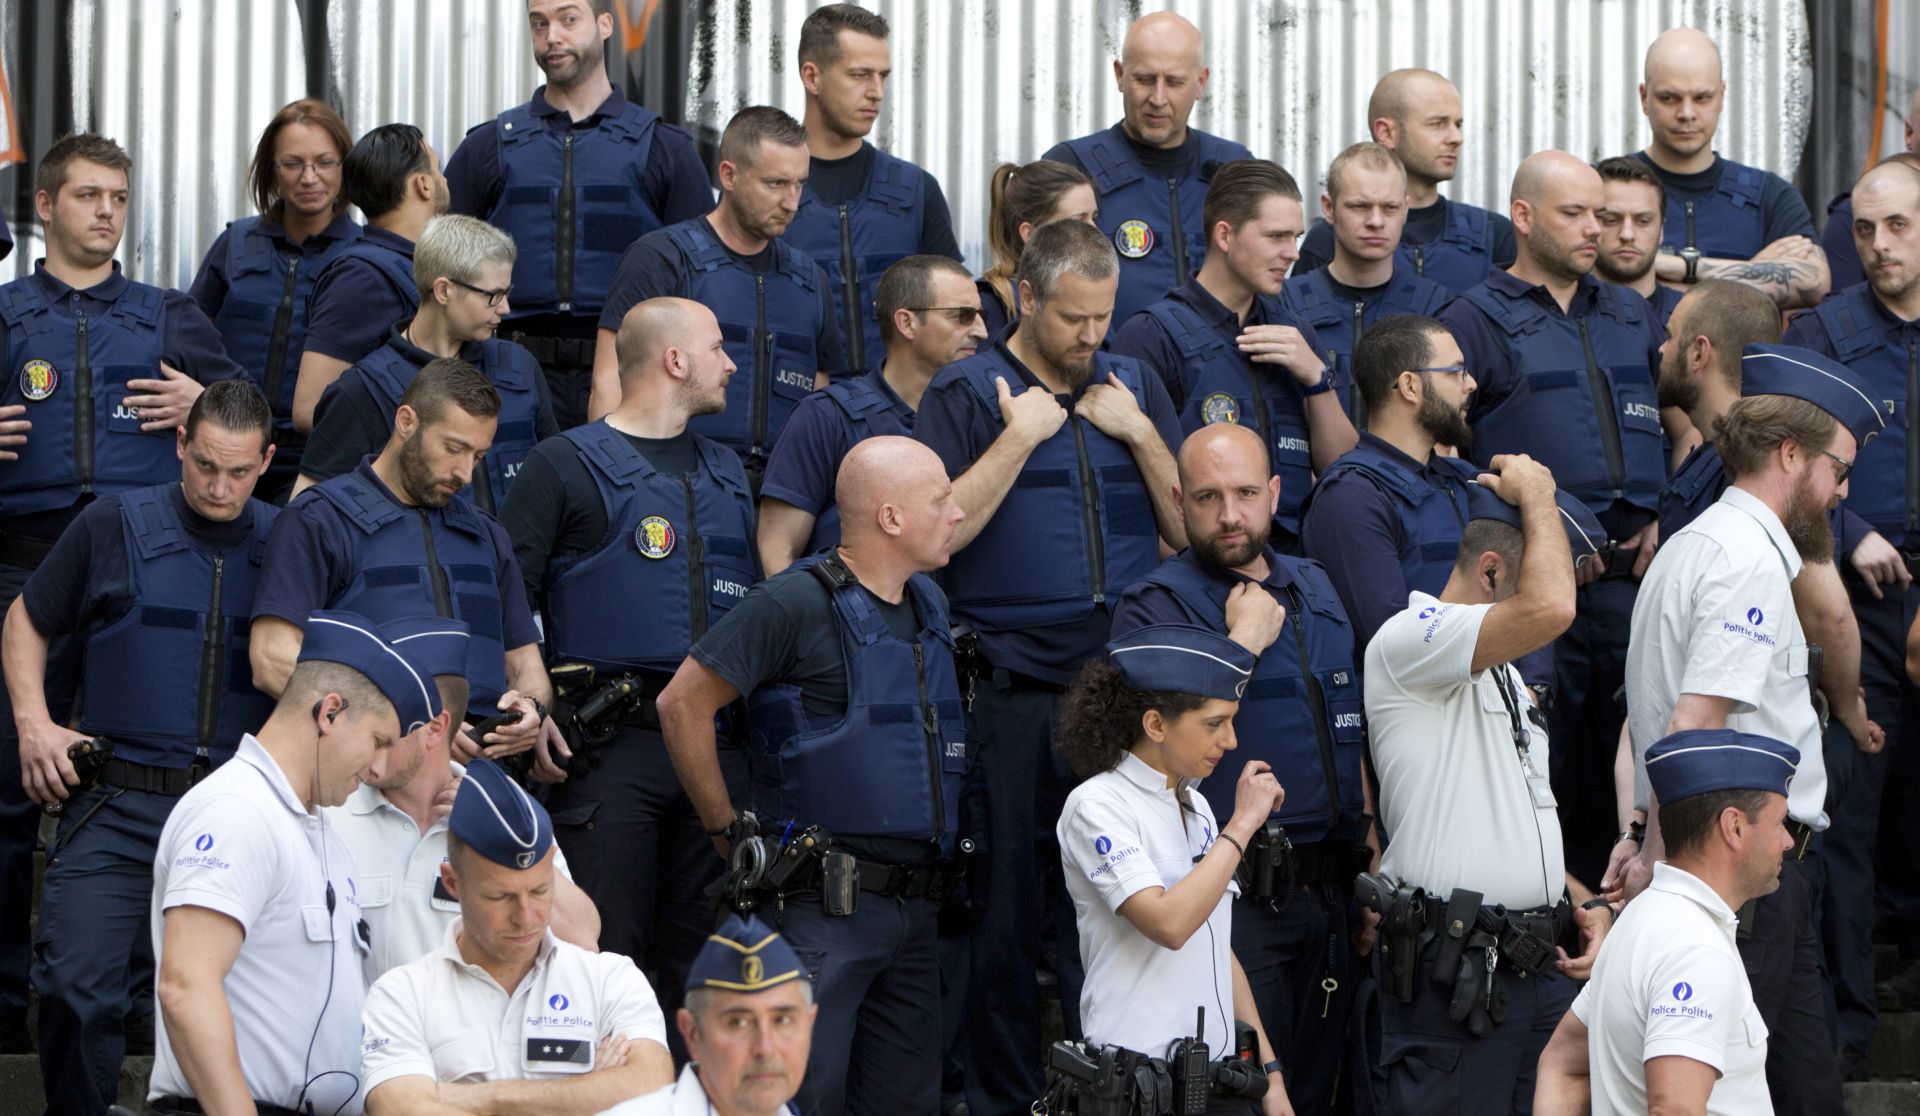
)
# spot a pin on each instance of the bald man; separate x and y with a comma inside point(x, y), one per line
point(1725, 220)
point(1565, 371)
point(1836, 240)
point(1416, 114)
point(858, 740)
point(635, 536)
point(1302, 716)
point(1151, 170)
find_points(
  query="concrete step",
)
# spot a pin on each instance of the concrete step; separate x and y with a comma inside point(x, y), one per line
point(1896, 1046)
point(1883, 1098)
point(20, 1093)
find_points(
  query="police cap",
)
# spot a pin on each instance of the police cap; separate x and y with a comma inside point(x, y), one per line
point(494, 817)
point(1699, 761)
point(1820, 380)
point(352, 640)
point(1182, 659)
point(744, 955)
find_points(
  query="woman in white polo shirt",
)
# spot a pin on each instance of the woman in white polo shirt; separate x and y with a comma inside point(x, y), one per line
point(1150, 871)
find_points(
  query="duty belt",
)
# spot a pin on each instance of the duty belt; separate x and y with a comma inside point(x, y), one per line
point(556, 352)
point(1617, 560)
point(170, 781)
point(1803, 835)
point(187, 1106)
point(1526, 938)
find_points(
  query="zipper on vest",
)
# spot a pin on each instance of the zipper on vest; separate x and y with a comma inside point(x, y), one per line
point(1259, 400)
point(1690, 243)
point(1359, 331)
point(1180, 272)
point(563, 243)
point(483, 487)
point(930, 726)
point(213, 654)
point(850, 297)
point(442, 593)
point(696, 565)
point(1603, 407)
point(1419, 260)
point(762, 371)
point(1913, 444)
point(1317, 704)
point(82, 404)
point(276, 372)
point(1090, 516)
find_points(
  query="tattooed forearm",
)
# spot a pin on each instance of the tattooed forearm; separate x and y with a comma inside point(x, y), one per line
point(1790, 283)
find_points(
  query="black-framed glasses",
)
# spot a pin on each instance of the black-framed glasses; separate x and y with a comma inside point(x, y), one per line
point(1844, 468)
point(1458, 370)
point(298, 167)
point(494, 298)
point(958, 315)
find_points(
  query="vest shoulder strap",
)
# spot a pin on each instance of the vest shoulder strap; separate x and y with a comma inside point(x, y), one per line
point(155, 527)
point(1110, 166)
point(608, 453)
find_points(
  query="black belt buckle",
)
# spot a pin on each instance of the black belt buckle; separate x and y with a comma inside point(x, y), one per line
point(1912, 559)
point(1524, 949)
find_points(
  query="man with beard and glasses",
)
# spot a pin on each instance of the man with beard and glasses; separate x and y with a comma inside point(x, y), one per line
point(773, 302)
point(626, 172)
point(1630, 221)
point(1061, 458)
point(1301, 715)
point(1566, 366)
point(1385, 520)
point(1716, 643)
point(635, 536)
point(394, 539)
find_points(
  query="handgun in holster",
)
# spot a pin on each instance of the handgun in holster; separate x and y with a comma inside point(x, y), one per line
point(1266, 872)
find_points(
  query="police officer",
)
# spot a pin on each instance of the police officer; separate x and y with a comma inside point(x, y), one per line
point(257, 277)
point(503, 1015)
point(1060, 454)
point(774, 303)
point(1716, 643)
point(253, 899)
point(635, 537)
point(1565, 366)
point(395, 539)
point(1477, 902)
point(1301, 716)
point(1416, 114)
point(1229, 351)
point(1151, 170)
point(99, 370)
point(933, 317)
point(1366, 280)
point(1149, 864)
point(1632, 216)
point(863, 209)
point(1725, 220)
point(189, 549)
point(749, 1023)
point(1386, 518)
point(575, 175)
point(856, 792)
point(1836, 239)
point(1019, 200)
point(462, 268)
point(392, 175)
point(1669, 1017)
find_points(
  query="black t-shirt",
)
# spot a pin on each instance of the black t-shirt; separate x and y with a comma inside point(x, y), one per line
point(1159, 162)
point(1424, 226)
point(835, 181)
point(1355, 294)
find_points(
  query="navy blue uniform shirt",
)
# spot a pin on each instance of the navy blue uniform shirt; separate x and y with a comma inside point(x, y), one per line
point(833, 181)
point(209, 289)
point(353, 305)
point(806, 460)
point(1424, 226)
point(1783, 211)
point(1143, 338)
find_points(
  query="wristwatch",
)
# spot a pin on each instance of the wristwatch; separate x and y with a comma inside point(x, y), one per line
point(1272, 1067)
point(1636, 831)
point(1325, 385)
point(1691, 256)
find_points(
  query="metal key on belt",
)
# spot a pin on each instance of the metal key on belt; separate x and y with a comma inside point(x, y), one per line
point(1493, 960)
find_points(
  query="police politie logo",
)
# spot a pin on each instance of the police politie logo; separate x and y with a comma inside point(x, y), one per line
point(38, 379)
point(654, 538)
point(557, 1002)
point(1133, 239)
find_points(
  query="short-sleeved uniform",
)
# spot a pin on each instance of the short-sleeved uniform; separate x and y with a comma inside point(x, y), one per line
point(1778, 210)
point(444, 1018)
point(243, 844)
point(355, 303)
point(1670, 983)
point(806, 460)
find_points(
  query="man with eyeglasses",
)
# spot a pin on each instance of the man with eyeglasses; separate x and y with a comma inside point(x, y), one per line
point(462, 268)
point(931, 311)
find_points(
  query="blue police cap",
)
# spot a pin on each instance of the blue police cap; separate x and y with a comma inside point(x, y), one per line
point(1182, 659)
point(438, 644)
point(499, 820)
point(1697, 761)
point(352, 640)
point(1820, 380)
point(1584, 533)
point(744, 955)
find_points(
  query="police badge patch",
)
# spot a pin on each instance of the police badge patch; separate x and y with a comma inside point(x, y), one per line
point(1220, 407)
point(1133, 239)
point(654, 537)
point(37, 380)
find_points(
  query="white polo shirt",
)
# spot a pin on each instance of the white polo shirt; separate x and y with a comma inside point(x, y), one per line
point(443, 1018)
point(406, 906)
point(1715, 616)
point(1124, 831)
point(685, 1097)
point(1669, 982)
point(1466, 806)
point(243, 844)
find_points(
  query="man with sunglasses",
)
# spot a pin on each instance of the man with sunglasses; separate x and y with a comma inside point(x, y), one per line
point(931, 313)
point(463, 268)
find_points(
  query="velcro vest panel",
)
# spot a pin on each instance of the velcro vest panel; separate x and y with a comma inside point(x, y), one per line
point(44, 371)
point(1728, 223)
point(391, 579)
point(257, 271)
point(882, 228)
point(893, 765)
point(868, 414)
point(1130, 196)
point(514, 374)
point(1700, 480)
point(609, 203)
point(1860, 338)
point(1311, 299)
point(1432, 517)
point(143, 672)
point(1460, 259)
point(1549, 413)
point(769, 322)
point(676, 557)
point(1079, 497)
point(396, 268)
point(1276, 720)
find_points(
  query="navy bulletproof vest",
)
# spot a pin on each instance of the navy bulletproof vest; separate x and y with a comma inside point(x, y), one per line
point(1582, 399)
point(1432, 517)
point(574, 199)
point(263, 320)
point(1315, 740)
point(1727, 223)
point(514, 374)
point(185, 632)
point(868, 413)
point(1462, 256)
point(1341, 324)
point(71, 371)
point(425, 562)
point(394, 267)
point(769, 321)
point(1076, 527)
point(1694, 488)
point(892, 766)
point(675, 558)
point(1154, 222)
point(1881, 490)
point(858, 241)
